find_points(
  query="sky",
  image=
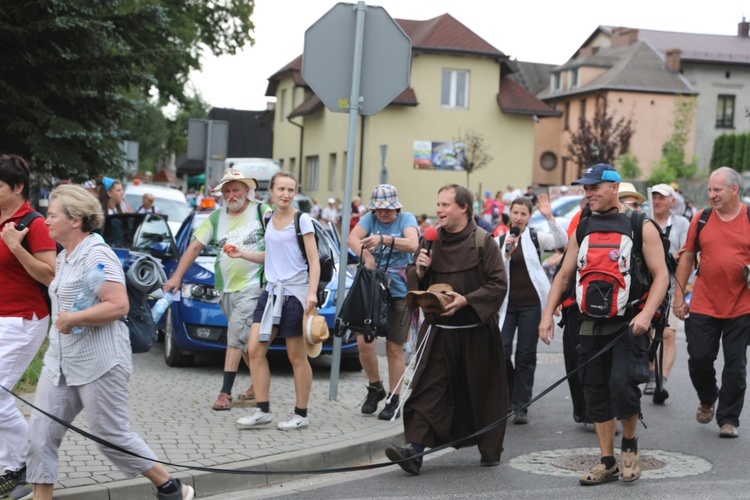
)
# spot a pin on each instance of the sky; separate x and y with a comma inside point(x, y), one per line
point(542, 31)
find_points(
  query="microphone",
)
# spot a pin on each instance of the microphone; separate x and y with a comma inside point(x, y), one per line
point(514, 231)
point(430, 236)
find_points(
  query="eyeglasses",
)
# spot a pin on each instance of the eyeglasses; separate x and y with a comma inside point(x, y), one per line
point(632, 204)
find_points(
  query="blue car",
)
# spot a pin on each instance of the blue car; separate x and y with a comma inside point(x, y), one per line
point(195, 323)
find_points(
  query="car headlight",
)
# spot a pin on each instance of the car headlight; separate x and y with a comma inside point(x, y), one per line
point(204, 293)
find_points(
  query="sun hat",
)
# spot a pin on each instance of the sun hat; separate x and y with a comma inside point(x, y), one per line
point(315, 331)
point(233, 174)
point(384, 197)
point(432, 300)
point(628, 189)
point(663, 189)
point(601, 172)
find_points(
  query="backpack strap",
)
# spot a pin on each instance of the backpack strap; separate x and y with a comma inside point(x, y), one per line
point(300, 240)
point(535, 240)
point(702, 222)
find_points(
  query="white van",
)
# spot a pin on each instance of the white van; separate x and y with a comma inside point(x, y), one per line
point(171, 202)
point(260, 169)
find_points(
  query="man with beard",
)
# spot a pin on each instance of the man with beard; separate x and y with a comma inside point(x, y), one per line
point(460, 385)
point(240, 223)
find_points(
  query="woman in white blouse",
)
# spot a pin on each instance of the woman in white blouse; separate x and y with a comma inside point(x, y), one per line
point(87, 370)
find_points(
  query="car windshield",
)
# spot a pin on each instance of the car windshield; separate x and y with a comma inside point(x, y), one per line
point(176, 211)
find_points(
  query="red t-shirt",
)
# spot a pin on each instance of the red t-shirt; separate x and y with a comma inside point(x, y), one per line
point(20, 295)
point(720, 289)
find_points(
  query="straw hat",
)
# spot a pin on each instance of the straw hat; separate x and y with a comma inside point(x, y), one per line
point(628, 189)
point(233, 174)
point(315, 331)
point(433, 300)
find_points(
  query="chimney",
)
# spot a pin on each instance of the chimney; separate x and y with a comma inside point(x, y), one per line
point(743, 29)
point(622, 37)
point(587, 51)
point(673, 60)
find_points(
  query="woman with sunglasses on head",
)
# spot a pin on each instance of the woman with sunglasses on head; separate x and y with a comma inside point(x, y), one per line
point(630, 197)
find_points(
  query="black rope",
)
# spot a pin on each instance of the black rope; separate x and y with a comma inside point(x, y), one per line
point(336, 470)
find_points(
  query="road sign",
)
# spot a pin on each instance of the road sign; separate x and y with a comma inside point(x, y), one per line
point(198, 136)
point(329, 59)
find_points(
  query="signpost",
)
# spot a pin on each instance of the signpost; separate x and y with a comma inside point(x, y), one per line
point(207, 140)
point(357, 60)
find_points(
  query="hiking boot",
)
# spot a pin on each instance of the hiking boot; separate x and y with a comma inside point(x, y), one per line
point(705, 413)
point(599, 475)
point(256, 418)
point(630, 464)
point(650, 385)
point(391, 410)
point(521, 417)
point(295, 422)
point(9, 480)
point(660, 395)
point(184, 492)
point(402, 456)
point(375, 394)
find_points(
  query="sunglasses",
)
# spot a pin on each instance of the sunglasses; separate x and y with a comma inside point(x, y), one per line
point(632, 204)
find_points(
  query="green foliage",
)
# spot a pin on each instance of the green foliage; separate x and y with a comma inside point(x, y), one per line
point(603, 139)
point(673, 151)
point(727, 152)
point(662, 173)
point(716, 152)
point(745, 166)
point(27, 382)
point(628, 165)
point(740, 143)
point(75, 72)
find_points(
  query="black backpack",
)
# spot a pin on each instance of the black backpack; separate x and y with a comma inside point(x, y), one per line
point(20, 226)
point(141, 324)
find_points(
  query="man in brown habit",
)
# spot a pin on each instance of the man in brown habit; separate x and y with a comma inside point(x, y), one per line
point(460, 385)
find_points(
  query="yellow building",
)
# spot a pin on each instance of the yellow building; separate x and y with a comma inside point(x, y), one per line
point(459, 85)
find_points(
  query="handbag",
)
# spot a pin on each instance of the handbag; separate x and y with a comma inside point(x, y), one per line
point(365, 307)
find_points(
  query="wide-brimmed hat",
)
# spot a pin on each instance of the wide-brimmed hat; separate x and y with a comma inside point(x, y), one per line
point(314, 331)
point(233, 174)
point(628, 189)
point(384, 197)
point(432, 300)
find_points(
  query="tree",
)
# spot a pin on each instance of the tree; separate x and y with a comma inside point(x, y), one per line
point(73, 72)
point(628, 165)
point(474, 152)
point(673, 151)
point(603, 139)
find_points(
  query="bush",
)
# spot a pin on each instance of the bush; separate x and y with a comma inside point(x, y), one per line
point(29, 379)
point(628, 164)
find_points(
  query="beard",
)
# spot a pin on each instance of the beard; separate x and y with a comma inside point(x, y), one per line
point(235, 204)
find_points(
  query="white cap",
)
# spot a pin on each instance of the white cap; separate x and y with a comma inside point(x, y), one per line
point(663, 189)
point(331, 200)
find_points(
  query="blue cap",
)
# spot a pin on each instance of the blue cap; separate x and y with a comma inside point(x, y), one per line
point(601, 172)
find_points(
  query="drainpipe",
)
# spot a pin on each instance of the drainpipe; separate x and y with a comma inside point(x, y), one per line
point(301, 143)
point(361, 154)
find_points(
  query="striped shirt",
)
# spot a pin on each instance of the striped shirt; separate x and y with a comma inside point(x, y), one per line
point(86, 357)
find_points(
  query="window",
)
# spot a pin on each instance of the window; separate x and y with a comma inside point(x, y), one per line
point(566, 118)
point(725, 112)
point(295, 96)
point(583, 109)
point(282, 107)
point(312, 173)
point(332, 168)
point(573, 81)
point(455, 89)
point(555, 82)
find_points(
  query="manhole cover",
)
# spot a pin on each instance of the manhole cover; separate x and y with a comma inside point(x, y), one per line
point(586, 462)
point(656, 464)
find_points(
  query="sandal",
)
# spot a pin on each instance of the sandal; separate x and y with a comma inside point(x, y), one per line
point(223, 403)
point(599, 475)
point(248, 395)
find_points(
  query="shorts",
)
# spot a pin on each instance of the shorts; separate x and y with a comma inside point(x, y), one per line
point(399, 322)
point(292, 312)
point(239, 307)
point(673, 322)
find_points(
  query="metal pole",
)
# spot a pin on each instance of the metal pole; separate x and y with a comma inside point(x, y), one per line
point(359, 35)
point(208, 158)
point(383, 168)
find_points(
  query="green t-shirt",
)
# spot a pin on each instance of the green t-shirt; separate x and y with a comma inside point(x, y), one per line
point(246, 232)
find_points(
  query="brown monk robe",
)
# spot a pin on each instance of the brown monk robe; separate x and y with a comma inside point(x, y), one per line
point(460, 385)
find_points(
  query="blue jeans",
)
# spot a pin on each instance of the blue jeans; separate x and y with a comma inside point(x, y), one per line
point(521, 377)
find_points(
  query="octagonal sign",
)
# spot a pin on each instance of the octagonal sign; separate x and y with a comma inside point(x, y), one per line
point(328, 59)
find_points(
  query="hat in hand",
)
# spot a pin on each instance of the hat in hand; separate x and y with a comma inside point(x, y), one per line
point(433, 300)
point(315, 332)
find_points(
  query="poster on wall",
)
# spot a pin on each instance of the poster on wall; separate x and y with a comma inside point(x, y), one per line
point(442, 155)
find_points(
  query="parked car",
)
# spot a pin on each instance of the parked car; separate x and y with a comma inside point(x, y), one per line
point(172, 202)
point(195, 323)
point(300, 202)
point(563, 209)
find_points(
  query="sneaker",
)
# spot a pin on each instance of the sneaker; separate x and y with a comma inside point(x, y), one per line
point(294, 422)
point(599, 475)
point(729, 431)
point(23, 489)
point(390, 411)
point(521, 417)
point(705, 413)
point(403, 456)
point(488, 462)
point(650, 385)
point(9, 480)
point(184, 492)
point(256, 418)
point(630, 465)
point(375, 394)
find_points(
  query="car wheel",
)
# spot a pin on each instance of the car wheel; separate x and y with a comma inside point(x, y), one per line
point(173, 356)
point(350, 362)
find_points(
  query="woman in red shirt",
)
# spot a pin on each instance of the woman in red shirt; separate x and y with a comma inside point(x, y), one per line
point(27, 258)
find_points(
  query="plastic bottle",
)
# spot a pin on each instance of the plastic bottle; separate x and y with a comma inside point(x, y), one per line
point(161, 306)
point(86, 298)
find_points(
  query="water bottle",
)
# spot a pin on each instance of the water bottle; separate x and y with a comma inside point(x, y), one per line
point(161, 306)
point(92, 283)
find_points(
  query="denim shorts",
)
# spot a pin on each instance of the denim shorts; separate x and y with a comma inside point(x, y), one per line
point(292, 312)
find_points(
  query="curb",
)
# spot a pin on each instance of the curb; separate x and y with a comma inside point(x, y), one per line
point(347, 453)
